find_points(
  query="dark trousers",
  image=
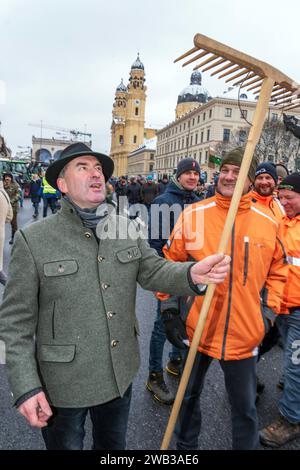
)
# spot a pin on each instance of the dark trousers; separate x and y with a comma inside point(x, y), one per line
point(14, 223)
point(65, 430)
point(49, 201)
point(157, 342)
point(240, 382)
point(289, 403)
point(36, 207)
point(270, 340)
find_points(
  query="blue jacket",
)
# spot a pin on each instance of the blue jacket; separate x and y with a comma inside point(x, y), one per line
point(160, 228)
point(35, 190)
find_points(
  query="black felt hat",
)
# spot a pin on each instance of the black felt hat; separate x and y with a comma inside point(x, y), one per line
point(79, 149)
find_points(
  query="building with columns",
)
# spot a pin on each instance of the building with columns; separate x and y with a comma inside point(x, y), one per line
point(128, 124)
point(202, 123)
point(46, 150)
point(142, 160)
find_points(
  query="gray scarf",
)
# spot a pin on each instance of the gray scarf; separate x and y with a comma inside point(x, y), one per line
point(90, 217)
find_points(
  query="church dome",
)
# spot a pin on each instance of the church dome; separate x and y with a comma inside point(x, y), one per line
point(196, 78)
point(121, 87)
point(195, 92)
point(137, 64)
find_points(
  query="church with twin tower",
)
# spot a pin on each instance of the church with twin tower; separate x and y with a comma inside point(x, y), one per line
point(128, 118)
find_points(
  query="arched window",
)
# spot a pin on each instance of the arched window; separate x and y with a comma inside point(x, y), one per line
point(43, 155)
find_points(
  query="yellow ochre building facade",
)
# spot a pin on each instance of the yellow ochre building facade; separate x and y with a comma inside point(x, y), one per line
point(128, 118)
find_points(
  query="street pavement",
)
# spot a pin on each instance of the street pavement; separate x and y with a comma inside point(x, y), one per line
point(148, 418)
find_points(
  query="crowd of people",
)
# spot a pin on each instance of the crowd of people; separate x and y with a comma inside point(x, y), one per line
point(71, 343)
point(143, 190)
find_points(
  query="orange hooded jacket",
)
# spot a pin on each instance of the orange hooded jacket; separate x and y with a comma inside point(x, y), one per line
point(235, 325)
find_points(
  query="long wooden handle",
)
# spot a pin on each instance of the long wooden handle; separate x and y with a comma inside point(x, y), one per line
point(254, 135)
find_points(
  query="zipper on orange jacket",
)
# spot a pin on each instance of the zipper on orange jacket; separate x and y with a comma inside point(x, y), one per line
point(229, 295)
point(246, 259)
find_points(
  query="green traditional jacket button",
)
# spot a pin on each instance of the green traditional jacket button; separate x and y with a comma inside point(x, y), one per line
point(101, 258)
point(110, 314)
point(114, 343)
point(104, 285)
point(87, 235)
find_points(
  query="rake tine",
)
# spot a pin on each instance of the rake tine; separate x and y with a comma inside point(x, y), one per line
point(221, 61)
point(237, 75)
point(288, 96)
point(250, 75)
point(257, 79)
point(278, 89)
point(258, 85)
point(280, 93)
point(297, 105)
point(285, 102)
point(237, 67)
point(213, 57)
point(226, 66)
point(191, 51)
point(198, 56)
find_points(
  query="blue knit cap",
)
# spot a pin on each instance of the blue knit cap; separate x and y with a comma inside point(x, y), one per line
point(269, 168)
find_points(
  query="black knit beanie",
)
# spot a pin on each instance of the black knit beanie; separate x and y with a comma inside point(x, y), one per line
point(187, 164)
point(291, 182)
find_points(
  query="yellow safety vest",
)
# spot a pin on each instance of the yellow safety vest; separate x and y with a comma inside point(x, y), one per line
point(47, 189)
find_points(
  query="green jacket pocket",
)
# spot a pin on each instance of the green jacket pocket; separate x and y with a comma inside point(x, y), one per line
point(57, 353)
point(129, 254)
point(60, 268)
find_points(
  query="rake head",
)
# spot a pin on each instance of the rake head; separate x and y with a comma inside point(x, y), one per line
point(243, 70)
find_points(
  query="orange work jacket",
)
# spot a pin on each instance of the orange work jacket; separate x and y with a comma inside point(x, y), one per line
point(271, 203)
point(291, 233)
point(234, 326)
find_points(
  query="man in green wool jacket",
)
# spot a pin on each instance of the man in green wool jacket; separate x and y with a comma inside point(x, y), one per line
point(68, 314)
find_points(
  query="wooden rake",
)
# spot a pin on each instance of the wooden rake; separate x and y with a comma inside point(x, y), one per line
point(270, 85)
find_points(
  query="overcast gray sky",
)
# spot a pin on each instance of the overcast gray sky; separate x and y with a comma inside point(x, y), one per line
point(61, 60)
